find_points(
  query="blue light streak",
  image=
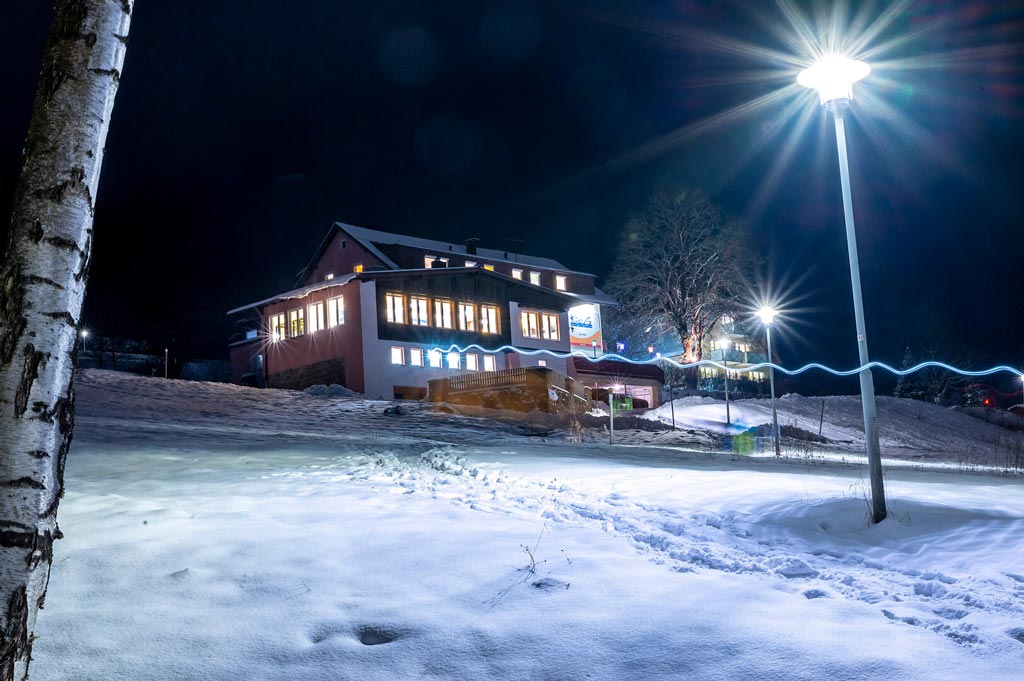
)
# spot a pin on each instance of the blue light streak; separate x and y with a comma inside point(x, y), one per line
point(763, 365)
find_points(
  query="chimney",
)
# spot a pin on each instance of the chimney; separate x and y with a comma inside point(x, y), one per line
point(471, 246)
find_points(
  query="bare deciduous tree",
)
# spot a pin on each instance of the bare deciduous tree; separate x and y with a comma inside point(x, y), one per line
point(42, 286)
point(679, 267)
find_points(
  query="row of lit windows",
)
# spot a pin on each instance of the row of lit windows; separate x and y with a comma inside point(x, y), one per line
point(726, 344)
point(311, 319)
point(539, 325)
point(435, 359)
point(417, 310)
point(713, 372)
point(561, 280)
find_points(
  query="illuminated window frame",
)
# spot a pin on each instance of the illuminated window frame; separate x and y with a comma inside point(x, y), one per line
point(472, 361)
point(395, 305)
point(397, 355)
point(489, 319)
point(529, 323)
point(316, 317)
point(336, 311)
point(467, 316)
point(278, 326)
point(358, 268)
point(548, 326)
point(490, 363)
point(416, 357)
point(296, 322)
point(452, 360)
point(419, 310)
point(444, 313)
point(535, 278)
point(435, 358)
point(517, 273)
point(561, 282)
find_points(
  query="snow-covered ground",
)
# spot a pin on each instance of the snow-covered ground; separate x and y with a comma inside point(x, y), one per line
point(909, 430)
point(217, 532)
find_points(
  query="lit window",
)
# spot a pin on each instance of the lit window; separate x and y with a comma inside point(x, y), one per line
point(549, 326)
point(428, 261)
point(542, 362)
point(517, 273)
point(467, 316)
point(336, 311)
point(416, 357)
point(488, 319)
point(418, 306)
point(560, 281)
point(296, 322)
point(397, 355)
point(434, 358)
point(471, 263)
point(329, 276)
point(443, 314)
point(473, 361)
point(316, 317)
point(358, 268)
point(277, 326)
point(530, 324)
point(535, 278)
point(489, 268)
point(453, 360)
point(489, 363)
point(395, 304)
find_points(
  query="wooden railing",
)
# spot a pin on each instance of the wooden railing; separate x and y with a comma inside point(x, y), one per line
point(491, 379)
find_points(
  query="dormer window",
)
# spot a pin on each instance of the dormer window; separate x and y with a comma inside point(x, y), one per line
point(489, 268)
point(560, 282)
point(358, 268)
point(535, 278)
point(471, 263)
point(329, 276)
point(517, 273)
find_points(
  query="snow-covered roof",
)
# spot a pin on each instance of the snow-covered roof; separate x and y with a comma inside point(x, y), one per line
point(370, 237)
point(297, 293)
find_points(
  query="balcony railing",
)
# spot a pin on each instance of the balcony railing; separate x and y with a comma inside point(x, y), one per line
point(737, 356)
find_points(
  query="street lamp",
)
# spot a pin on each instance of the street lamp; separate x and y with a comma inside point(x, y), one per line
point(833, 77)
point(724, 342)
point(767, 316)
point(611, 412)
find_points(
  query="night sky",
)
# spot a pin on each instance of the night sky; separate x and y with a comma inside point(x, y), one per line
point(242, 130)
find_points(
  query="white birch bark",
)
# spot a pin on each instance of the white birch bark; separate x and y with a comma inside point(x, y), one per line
point(42, 285)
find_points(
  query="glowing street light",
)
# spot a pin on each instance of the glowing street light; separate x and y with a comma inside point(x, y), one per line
point(767, 315)
point(611, 412)
point(833, 77)
point(84, 334)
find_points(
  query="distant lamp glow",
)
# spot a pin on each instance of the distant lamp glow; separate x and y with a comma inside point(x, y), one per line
point(767, 314)
point(833, 77)
point(84, 333)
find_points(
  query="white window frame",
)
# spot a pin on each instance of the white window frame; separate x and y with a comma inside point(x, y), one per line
point(296, 322)
point(548, 326)
point(529, 323)
point(278, 326)
point(316, 317)
point(336, 311)
point(489, 319)
point(561, 282)
point(467, 316)
point(471, 263)
point(472, 361)
point(490, 363)
point(329, 276)
point(395, 304)
point(435, 358)
point(444, 312)
point(397, 355)
point(416, 357)
point(419, 310)
point(517, 273)
point(535, 278)
point(452, 360)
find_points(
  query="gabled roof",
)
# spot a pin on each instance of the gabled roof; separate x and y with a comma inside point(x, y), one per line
point(370, 238)
point(297, 293)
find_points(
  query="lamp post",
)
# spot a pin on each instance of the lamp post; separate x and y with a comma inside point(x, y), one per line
point(833, 77)
point(724, 342)
point(611, 412)
point(767, 316)
point(84, 333)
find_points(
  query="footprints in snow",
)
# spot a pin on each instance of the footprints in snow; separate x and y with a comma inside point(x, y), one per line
point(367, 635)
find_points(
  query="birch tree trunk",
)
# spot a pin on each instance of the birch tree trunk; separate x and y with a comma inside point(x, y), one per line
point(42, 285)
